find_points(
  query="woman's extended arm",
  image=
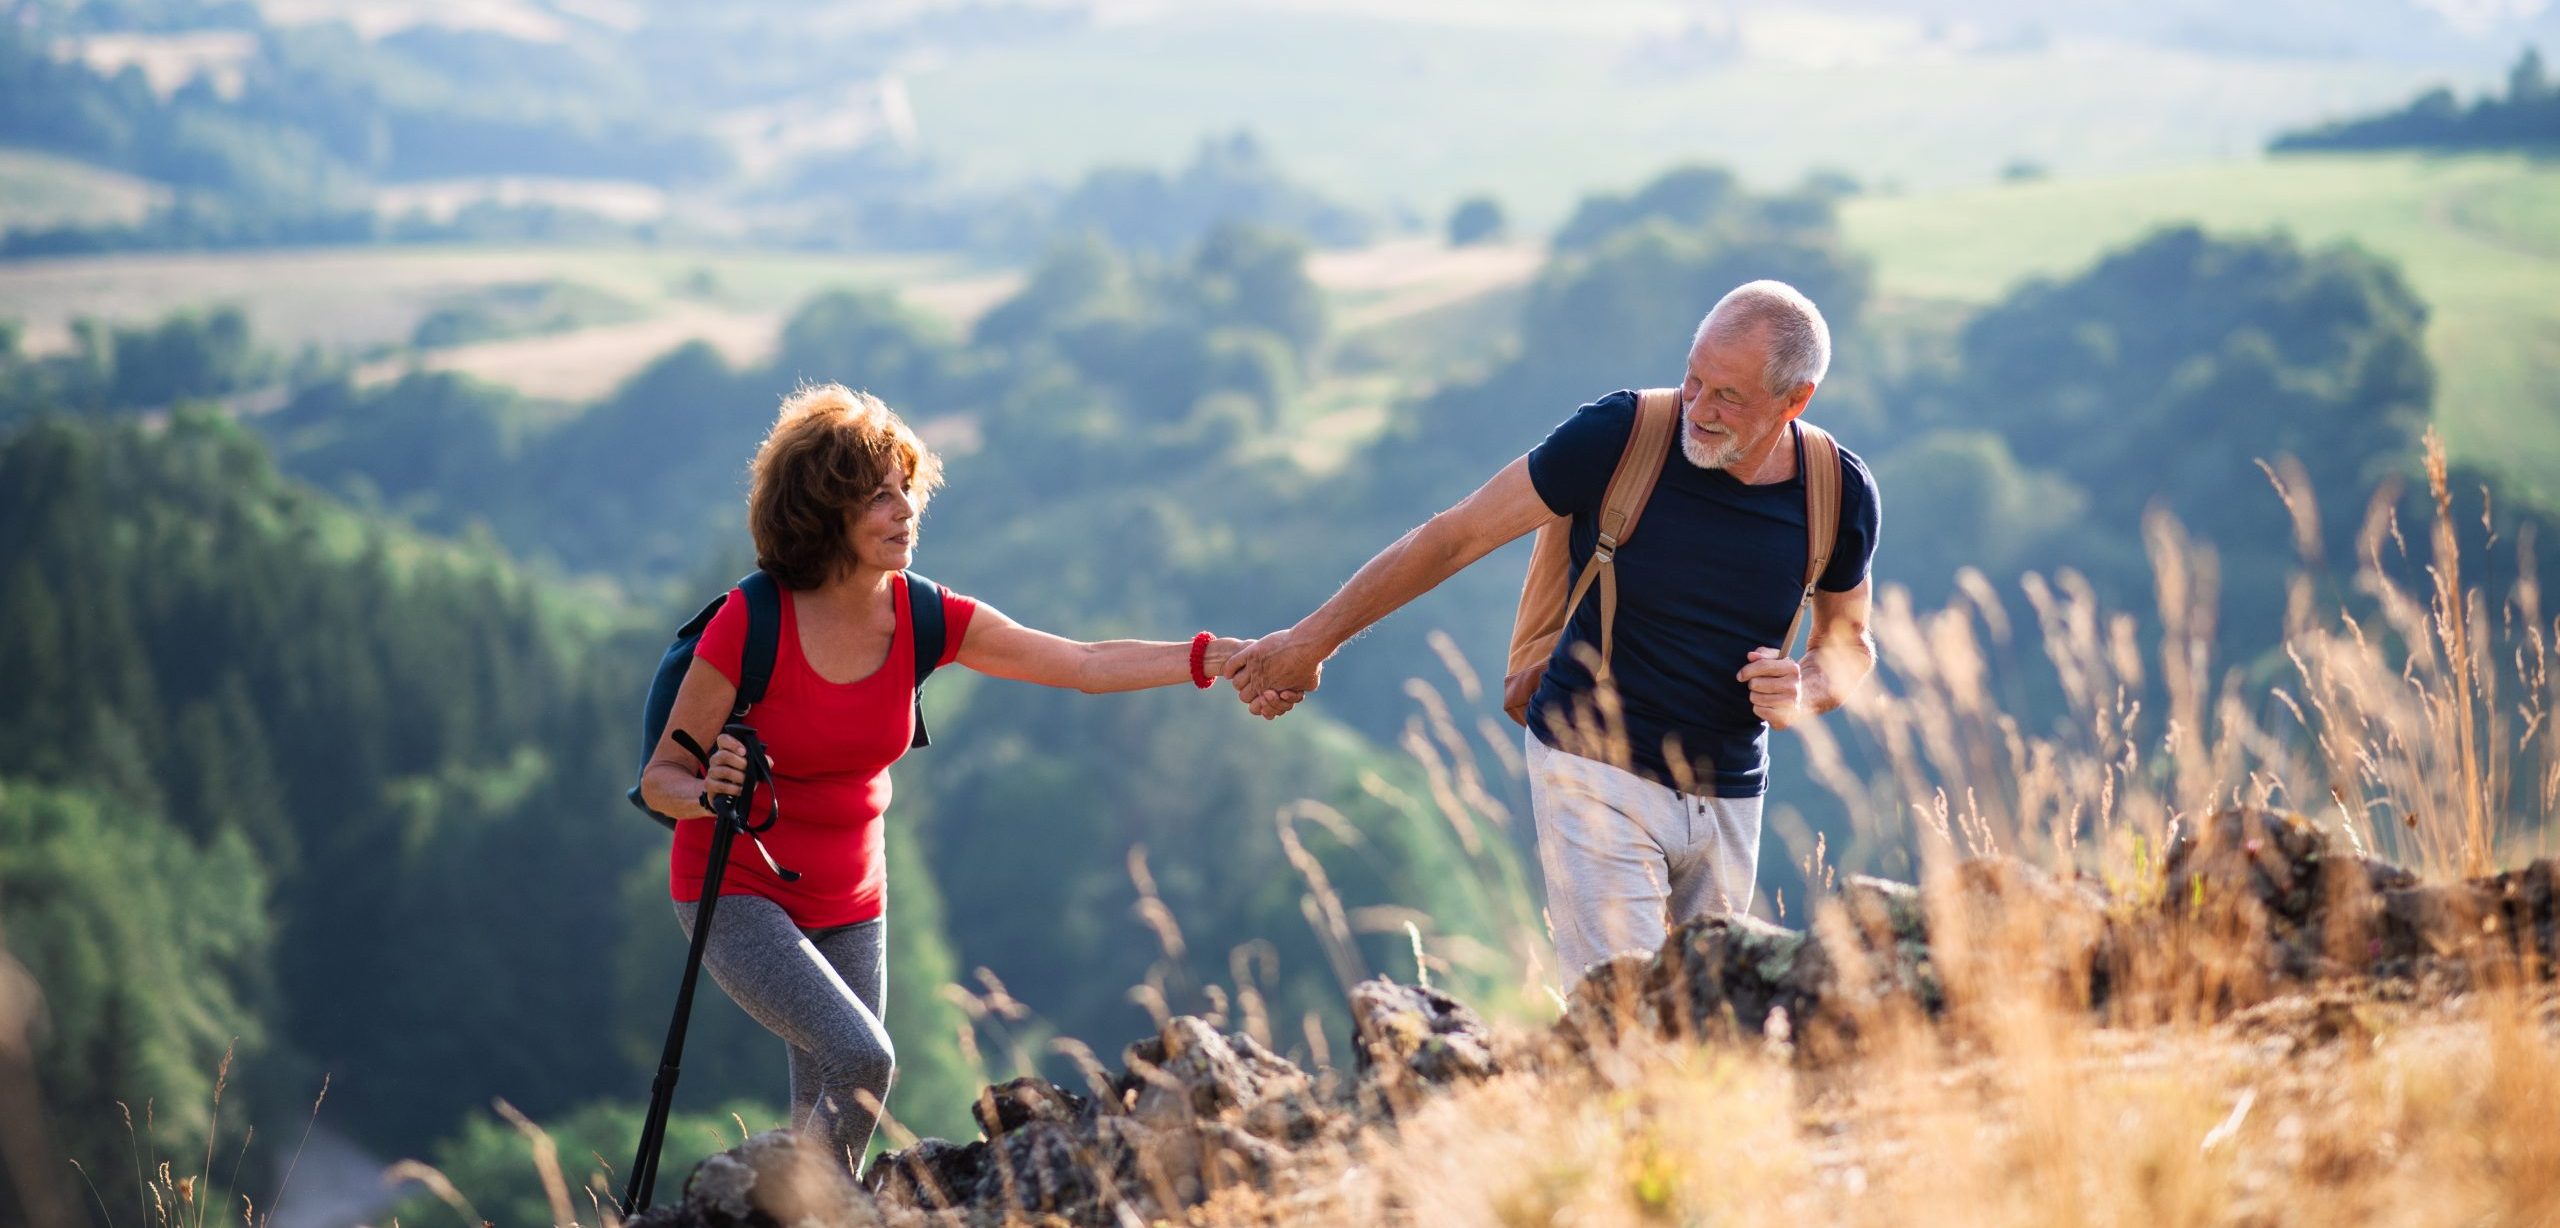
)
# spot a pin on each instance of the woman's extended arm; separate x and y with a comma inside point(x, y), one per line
point(1001, 647)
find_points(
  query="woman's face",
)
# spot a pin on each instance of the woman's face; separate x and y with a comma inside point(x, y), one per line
point(884, 527)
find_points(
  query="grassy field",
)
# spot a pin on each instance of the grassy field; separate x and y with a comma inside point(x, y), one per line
point(2479, 238)
point(368, 301)
point(359, 297)
point(1422, 107)
point(39, 190)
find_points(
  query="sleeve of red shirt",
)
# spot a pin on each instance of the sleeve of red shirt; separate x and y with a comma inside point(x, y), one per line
point(724, 642)
point(956, 613)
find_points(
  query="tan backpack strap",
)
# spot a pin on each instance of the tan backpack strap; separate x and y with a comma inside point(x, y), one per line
point(1542, 619)
point(1639, 468)
point(1821, 461)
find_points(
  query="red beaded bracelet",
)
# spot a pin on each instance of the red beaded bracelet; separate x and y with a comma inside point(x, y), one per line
point(1199, 660)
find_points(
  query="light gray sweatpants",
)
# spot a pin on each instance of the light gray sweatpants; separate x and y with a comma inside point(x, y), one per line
point(822, 991)
point(1626, 859)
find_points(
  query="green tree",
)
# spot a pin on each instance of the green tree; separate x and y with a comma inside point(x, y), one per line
point(2202, 355)
point(1477, 219)
point(1257, 278)
point(151, 952)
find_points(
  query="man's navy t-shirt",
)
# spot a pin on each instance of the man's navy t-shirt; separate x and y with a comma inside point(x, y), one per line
point(1715, 569)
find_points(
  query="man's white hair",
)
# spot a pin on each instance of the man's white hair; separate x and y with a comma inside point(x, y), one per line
point(1799, 340)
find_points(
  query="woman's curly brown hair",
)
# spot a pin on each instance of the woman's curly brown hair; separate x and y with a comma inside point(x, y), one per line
point(828, 452)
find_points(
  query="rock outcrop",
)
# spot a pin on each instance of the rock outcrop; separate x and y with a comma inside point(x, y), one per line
point(2248, 905)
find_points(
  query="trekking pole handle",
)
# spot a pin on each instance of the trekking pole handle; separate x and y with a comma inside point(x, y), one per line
point(743, 804)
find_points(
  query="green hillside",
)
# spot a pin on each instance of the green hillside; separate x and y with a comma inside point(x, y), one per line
point(43, 190)
point(358, 297)
point(2479, 238)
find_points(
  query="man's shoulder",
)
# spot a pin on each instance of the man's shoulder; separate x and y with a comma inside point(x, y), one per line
point(1604, 425)
point(1618, 409)
point(1573, 465)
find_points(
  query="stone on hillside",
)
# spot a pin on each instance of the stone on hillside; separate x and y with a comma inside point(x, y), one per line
point(2428, 927)
point(1189, 1072)
point(776, 1177)
point(2528, 904)
point(934, 1174)
point(1184, 1166)
point(1408, 1034)
point(2261, 895)
point(1007, 1107)
point(1738, 974)
point(1610, 1004)
point(1050, 1167)
point(1888, 926)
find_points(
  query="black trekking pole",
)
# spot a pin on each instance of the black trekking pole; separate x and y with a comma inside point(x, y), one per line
point(730, 814)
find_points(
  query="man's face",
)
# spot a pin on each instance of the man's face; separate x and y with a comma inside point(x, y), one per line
point(1726, 413)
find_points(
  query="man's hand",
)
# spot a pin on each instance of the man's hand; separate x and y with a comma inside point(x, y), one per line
point(1777, 687)
point(1273, 674)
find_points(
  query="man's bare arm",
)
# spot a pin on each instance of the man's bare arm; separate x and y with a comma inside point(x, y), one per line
point(1843, 650)
point(1501, 510)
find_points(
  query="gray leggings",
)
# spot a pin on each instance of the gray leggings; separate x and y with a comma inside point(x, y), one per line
point(822, 991)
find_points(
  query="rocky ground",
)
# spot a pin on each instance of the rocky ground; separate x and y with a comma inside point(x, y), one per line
point(2256, 927)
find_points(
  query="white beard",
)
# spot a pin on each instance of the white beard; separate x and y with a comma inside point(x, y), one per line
point(1693, 448)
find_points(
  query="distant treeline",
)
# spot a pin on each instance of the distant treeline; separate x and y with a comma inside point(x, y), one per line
point(2526, 117)
point(875, 198)
point(187, 354)
point(211, 223)
point(318, 116)
point(319, 110)
point(287, 154)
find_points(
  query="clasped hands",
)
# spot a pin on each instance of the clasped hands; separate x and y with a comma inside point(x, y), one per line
point(1273, 674)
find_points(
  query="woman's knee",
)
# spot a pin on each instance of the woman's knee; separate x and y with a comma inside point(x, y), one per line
point(865, 1060)
point(882, 1067)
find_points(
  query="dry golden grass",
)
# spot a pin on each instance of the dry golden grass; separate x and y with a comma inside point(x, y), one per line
point(2422, 1115)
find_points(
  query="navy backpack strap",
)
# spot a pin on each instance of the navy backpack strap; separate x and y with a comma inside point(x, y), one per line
point(764, 632)
point(924, 621)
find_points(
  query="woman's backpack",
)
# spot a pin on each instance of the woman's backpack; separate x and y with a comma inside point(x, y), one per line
point(755, 664)
point(1545, 607)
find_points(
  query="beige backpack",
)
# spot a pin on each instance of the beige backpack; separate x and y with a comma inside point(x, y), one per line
point(1545, 607)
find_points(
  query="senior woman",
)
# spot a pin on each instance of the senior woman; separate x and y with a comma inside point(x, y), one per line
point(837, 488)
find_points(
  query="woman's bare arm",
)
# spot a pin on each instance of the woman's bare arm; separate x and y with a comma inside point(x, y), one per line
point(998, 646)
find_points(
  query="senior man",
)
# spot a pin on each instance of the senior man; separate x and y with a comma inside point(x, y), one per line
point(1658, 824)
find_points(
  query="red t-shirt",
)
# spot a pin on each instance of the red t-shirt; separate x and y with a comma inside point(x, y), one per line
point(831, 744)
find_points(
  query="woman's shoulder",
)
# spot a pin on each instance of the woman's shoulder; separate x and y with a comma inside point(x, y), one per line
point(957, 610)
point(724, 638)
